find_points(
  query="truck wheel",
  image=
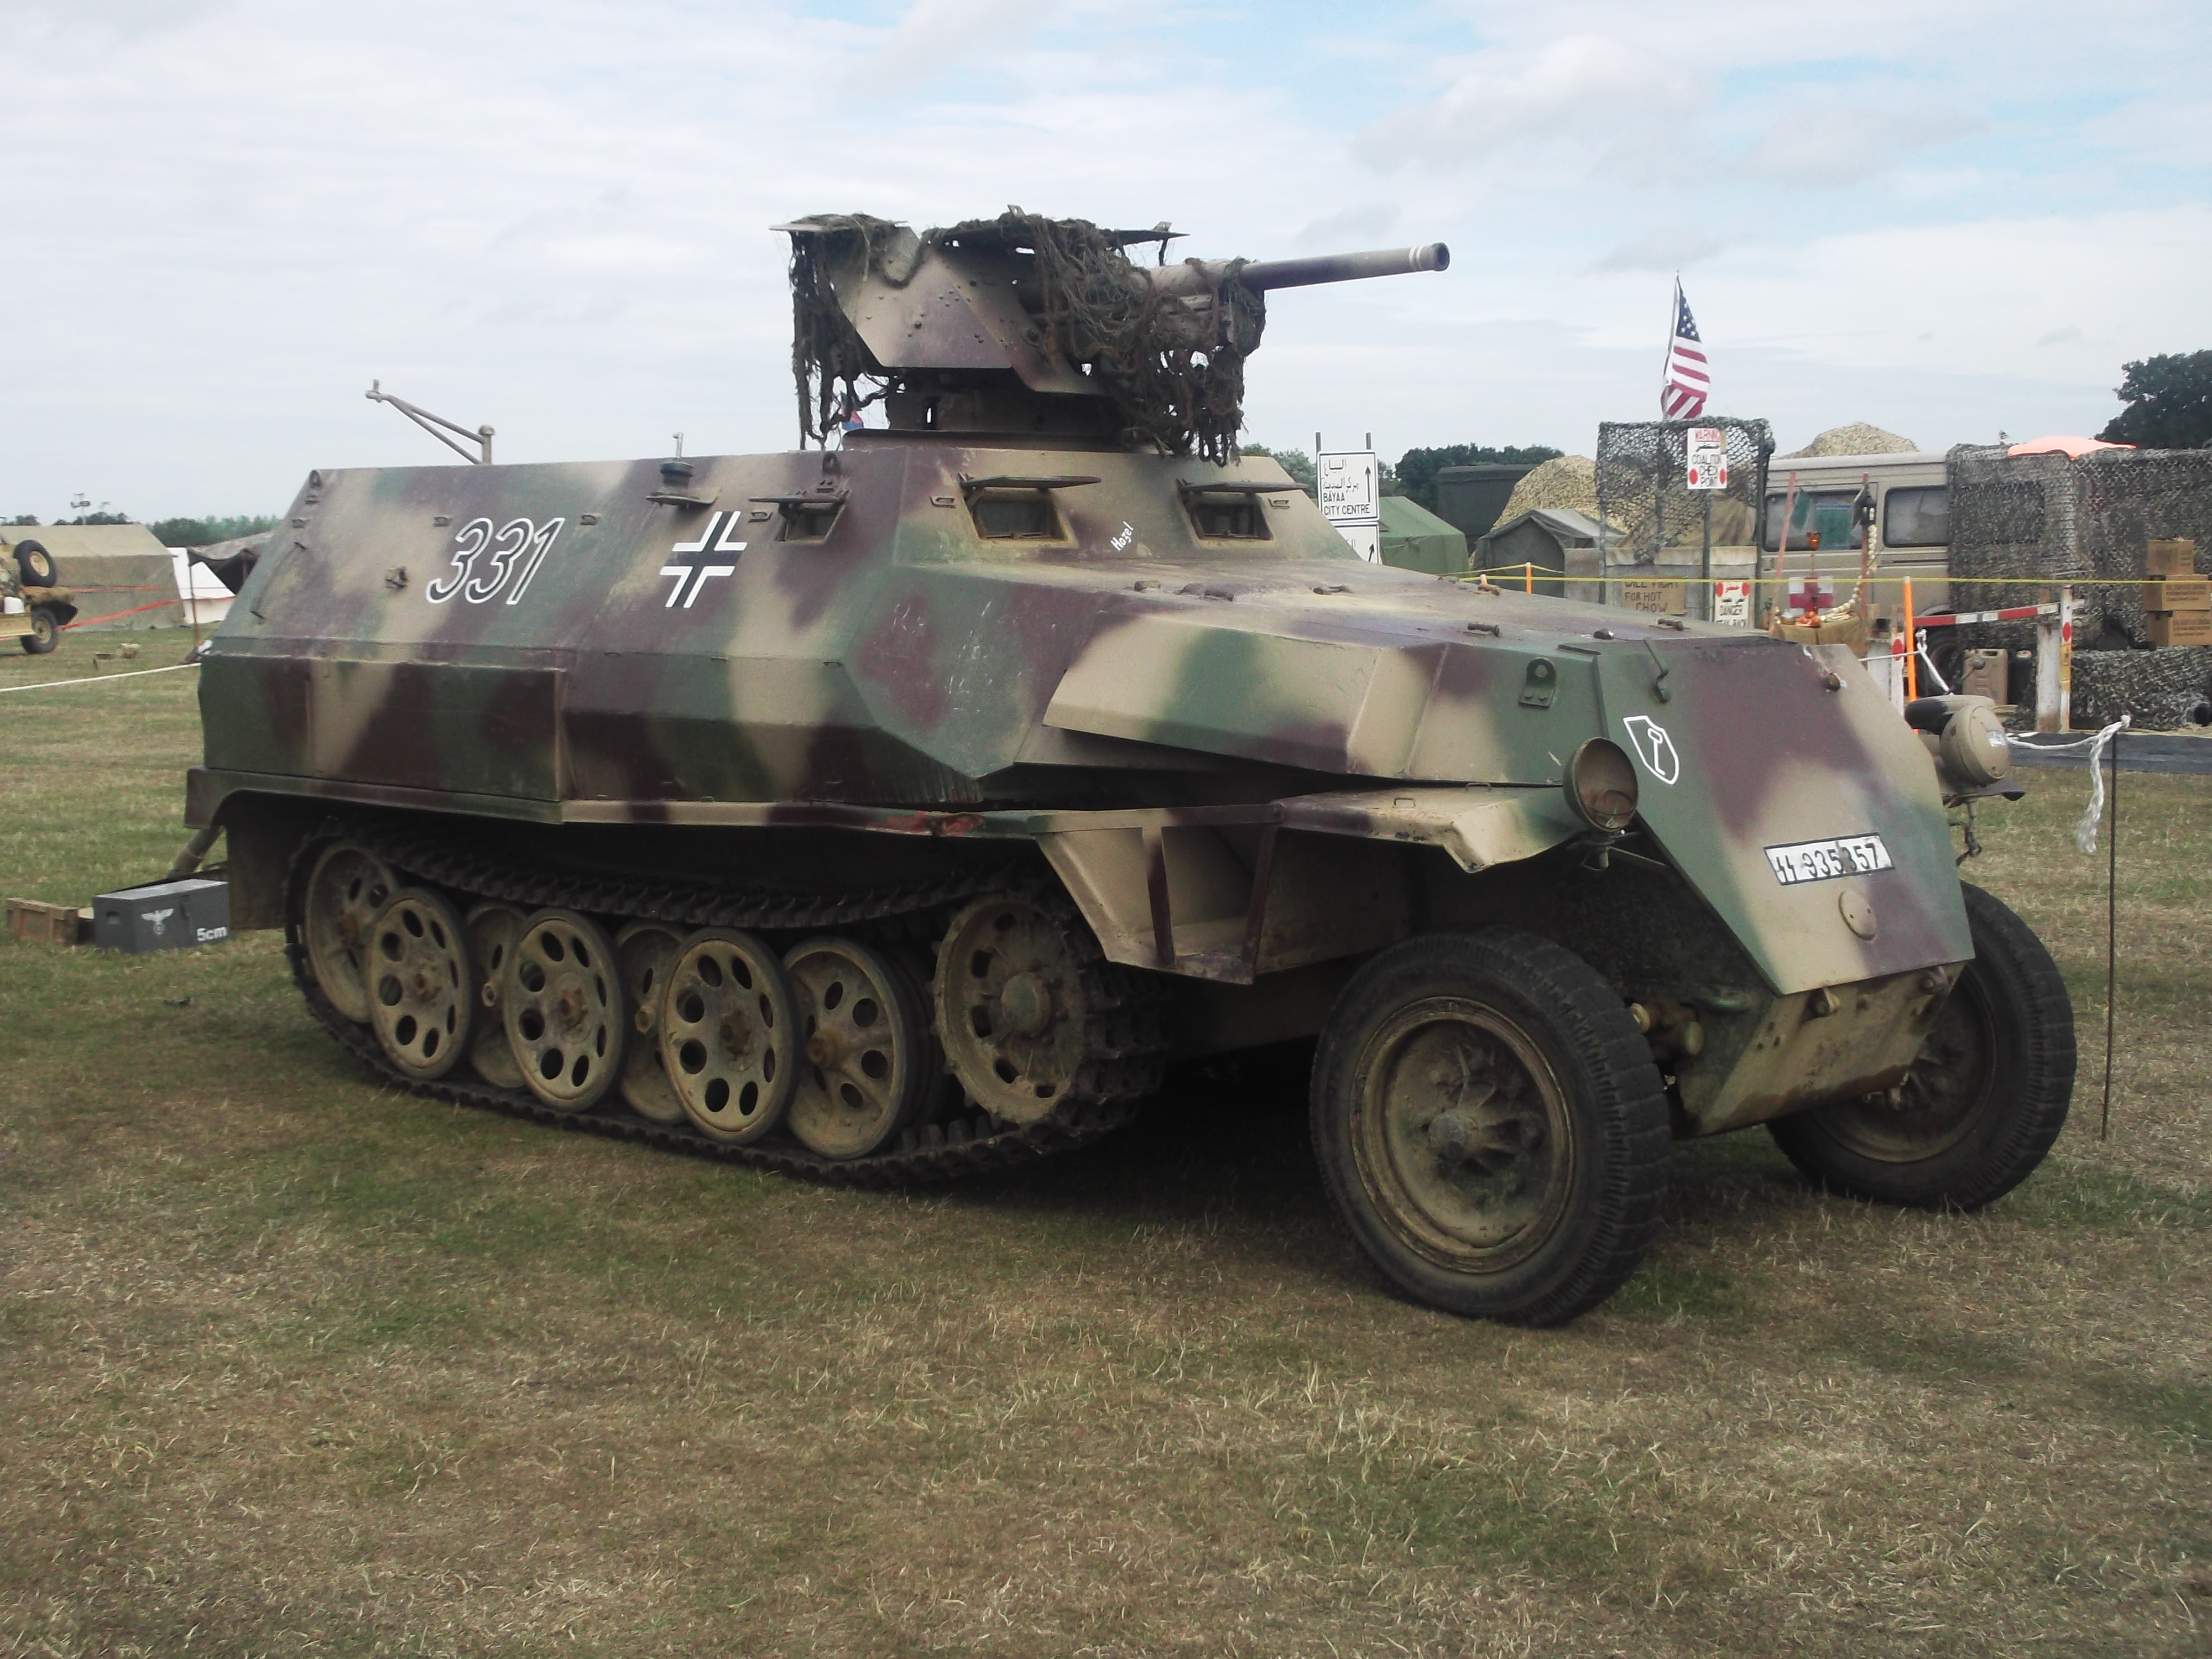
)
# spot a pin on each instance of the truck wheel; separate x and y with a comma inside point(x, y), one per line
point(34, 564)
point(1983, 1101)
point(43, 635)
point(1490, 1125)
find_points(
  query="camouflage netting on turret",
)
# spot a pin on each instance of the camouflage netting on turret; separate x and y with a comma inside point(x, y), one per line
point(1173, 384)
point(2047, 518)
point(1643, 485)
point(828, 358)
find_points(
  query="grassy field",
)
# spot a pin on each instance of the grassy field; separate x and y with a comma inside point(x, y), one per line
point(290, 1364)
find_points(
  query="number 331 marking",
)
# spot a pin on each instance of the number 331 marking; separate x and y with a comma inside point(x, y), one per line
point(516, 550)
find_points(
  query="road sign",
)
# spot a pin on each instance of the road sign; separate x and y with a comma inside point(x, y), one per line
point(1350, 486)
point(1708, 458)
point(1366, 540)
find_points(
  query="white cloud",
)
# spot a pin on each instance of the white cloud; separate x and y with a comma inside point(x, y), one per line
point(1669, 247)
point(228, 217)
point(1624, 108)
point(934, 35)
point(1353, 228)
point(1844, 144)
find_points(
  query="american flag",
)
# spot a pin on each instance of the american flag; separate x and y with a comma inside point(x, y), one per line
point(1682, 395)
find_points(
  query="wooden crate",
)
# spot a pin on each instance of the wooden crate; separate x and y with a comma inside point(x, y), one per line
point(46, 924)
point(2181, 628)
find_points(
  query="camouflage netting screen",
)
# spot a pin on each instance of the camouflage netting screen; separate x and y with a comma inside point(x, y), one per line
point(2166, 690)
point(1642, 487)
point(1175, 380)
point(2047, 518)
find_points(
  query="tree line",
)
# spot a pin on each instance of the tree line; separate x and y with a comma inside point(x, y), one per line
point(175, 532)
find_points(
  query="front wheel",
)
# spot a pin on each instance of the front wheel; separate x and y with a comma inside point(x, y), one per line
point(44, 634)
point(1490, 1125)
point(1983, 1101)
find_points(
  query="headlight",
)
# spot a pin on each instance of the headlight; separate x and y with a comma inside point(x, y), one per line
point(1600, 786)
point(1973, 745)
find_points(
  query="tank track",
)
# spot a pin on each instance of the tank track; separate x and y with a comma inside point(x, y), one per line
point(970, 1144)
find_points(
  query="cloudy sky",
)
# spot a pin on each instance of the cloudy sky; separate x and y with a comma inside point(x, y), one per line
point(226, 216)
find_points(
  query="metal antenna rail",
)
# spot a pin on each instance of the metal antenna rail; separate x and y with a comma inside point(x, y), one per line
point(430, 423)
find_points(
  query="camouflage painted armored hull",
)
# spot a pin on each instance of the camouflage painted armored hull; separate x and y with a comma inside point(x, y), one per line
point(1059, 758)
point(609, 658)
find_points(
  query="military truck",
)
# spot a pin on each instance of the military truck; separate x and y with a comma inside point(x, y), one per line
point(31, 608)
point(902, 806)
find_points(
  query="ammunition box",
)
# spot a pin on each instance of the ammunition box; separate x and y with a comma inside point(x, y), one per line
point(169, 915)
point(40, 923)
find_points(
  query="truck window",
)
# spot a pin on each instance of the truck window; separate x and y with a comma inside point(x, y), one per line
point(1825, 511)
point(1917, 518)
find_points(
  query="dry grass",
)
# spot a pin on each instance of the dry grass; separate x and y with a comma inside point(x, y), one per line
point(292, 1366)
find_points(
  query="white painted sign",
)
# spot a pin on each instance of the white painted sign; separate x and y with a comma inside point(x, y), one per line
point(1350, 486)
point(1366, 540)
point(1732, 603)
point(1709, 462)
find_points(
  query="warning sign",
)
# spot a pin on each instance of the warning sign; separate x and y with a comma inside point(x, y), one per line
point(1732, 603)
point(1708, 458)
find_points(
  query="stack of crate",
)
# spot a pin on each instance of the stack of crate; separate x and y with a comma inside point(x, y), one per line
point(2177, 601)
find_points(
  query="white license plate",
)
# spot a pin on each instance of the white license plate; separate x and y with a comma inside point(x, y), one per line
point(1825, 861)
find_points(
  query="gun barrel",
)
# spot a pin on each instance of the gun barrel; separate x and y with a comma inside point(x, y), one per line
point(1264, 274)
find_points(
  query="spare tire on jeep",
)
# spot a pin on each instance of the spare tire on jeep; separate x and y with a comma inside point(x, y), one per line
point(34, 564)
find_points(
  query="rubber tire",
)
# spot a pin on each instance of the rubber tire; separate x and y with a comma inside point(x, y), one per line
point(2021, 1114)
point(25, 564)
point(35, 643)
point(1615, 1103)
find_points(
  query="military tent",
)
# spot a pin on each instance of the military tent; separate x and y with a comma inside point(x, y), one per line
point(118, 573)
point(1414, 538)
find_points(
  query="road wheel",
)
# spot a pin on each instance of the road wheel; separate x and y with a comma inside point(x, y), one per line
point(1985, 1101)
point(646, 953)
point(34, 564)
point(563, 1007)
point(870, 1064)
point(1490, 1125)
point(494, 932)
point(1035, 1022)
point(345, 889)
point(44, 634)
point(728, 1035)
point(421, 998)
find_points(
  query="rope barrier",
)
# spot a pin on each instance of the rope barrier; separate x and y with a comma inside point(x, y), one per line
point(86, 622)
point(97, 679)
point(1632, 574)
point(2085, 832)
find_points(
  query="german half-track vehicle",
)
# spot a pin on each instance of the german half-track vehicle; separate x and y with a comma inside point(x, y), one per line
point(902, 805)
